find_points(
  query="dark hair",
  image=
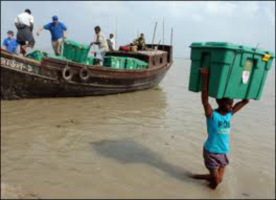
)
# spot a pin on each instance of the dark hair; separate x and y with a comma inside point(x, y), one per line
point(10, 33)
point(97, 27)
point(28, 11)
point(111, 35)
point(219, 101)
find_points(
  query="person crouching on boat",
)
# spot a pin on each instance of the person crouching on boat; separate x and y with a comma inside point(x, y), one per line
point(10, 43)
point(101, 42)
point(140, 42)
point(58, 32)
point(24, 23)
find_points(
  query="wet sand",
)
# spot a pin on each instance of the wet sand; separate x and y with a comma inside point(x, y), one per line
point(15, 192)
point(135, 145)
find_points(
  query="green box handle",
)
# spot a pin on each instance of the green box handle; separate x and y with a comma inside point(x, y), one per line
point(268, 64)
point(244, 58)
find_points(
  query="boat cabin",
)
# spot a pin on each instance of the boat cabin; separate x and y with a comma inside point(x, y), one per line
point(155, 56)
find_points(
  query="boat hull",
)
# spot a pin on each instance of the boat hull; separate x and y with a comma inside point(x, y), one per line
point(32, 86)
point(22, 78)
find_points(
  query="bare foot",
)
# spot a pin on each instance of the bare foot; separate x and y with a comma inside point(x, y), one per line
point(212, 185)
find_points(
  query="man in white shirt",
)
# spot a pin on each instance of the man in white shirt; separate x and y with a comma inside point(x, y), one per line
point(24, 23)
point(111, 42)
point(101, 42)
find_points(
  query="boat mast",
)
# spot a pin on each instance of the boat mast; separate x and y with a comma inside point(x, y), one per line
point(171, 36)
point(163, 33)
point(154, 33)
point(116, 41)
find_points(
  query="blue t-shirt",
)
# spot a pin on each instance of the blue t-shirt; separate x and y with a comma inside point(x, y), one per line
point(56, 31)
point(218, 127)
point(11, 45)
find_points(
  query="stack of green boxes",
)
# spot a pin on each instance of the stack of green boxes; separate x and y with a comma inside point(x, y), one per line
point(75, 51)
point(114, 62)
point(91, 60)
point(236, 71)
point(124, 63)
point(141, 64)
point(131, 63)
point(39, 55)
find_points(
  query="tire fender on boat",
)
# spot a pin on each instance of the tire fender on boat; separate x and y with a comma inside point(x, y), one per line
point(84, 74)
point(67, 73)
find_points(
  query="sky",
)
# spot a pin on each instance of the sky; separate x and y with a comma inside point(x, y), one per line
point(245, 23)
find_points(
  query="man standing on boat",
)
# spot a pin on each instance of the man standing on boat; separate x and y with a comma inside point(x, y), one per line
point(101, 42)
point(58, 31)
point(24, 23)
point(111, 42)
point(10, 43)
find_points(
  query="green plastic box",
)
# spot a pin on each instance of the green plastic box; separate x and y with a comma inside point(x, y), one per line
point(37, 55)
point(68, 49)
point(114, 62)
point(124, 63)
point(131, 63)
point(141, 64)
point(236, 72)
point(91, 60)
point(75, 51)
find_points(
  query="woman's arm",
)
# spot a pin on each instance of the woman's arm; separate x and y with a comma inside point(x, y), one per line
point(238, 106)
point(204, 93)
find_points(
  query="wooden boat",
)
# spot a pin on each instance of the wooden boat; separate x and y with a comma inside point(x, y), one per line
point(25, 78)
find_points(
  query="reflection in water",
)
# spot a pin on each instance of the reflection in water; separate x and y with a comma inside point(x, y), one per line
point(127, 151)
point(150, 102)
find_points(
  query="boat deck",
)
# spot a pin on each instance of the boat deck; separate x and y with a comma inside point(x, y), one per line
point(152, 52)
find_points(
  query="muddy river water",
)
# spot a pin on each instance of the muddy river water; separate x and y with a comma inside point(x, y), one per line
point(135, 145)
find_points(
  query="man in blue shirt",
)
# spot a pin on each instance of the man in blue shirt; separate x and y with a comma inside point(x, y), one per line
point(10, 43)
point(58, 31)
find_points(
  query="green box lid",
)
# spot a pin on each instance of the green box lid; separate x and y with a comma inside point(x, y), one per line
point(231, 46)
point(71, 42)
